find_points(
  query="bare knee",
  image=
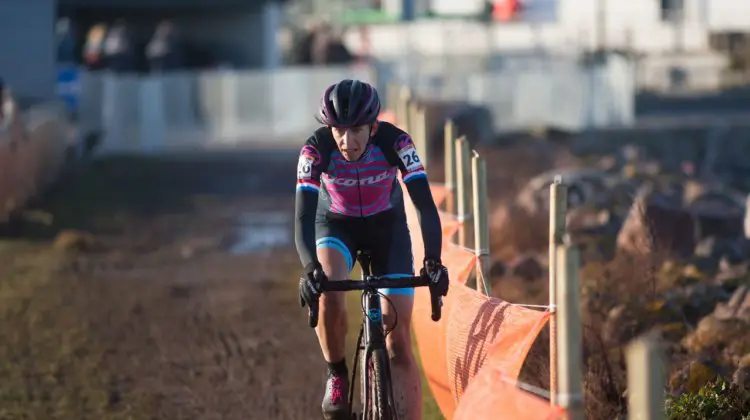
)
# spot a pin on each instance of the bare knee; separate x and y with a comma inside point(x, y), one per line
point(333, 304)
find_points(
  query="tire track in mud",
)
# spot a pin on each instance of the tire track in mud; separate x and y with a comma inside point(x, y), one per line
point(157, 319)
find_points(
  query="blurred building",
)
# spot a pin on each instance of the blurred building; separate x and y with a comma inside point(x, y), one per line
point(241, 33)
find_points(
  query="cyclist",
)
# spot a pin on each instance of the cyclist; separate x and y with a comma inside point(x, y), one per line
point(348, 199)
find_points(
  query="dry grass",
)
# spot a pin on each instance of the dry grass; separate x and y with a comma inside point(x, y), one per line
point(626, 280)
point(136, 330)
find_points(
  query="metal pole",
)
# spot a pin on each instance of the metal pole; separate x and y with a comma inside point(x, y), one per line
point(463, 174)
point(450, 167)
point(646, 379)
point(420, 127)
point(558, 203)
point(481, 223)
point(570, 356)
point(402, 110)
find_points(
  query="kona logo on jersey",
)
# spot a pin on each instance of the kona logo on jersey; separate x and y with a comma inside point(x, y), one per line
point(370, 180)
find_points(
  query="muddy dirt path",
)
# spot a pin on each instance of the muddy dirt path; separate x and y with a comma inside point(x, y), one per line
point(172, 308)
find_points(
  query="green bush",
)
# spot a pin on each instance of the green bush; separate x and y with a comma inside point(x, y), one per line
point(716, 400)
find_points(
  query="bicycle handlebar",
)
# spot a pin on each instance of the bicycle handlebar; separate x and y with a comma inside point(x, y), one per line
point(375, 282)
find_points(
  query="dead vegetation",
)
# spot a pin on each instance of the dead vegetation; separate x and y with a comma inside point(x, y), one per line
point(135, 328)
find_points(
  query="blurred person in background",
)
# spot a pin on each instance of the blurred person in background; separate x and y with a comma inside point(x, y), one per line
point(165, 50)
point(119, 50)
point(337, 52)
point(93, 49)
point(66, 41)
point(7, 106)
point(319, 46)
point(3, 118)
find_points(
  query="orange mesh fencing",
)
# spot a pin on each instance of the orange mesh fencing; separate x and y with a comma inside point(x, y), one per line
point(493, 396)
point(456, 349)
point(439, 193)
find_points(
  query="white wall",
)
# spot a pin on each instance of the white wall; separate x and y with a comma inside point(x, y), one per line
point(626, 24)
point(726, 15)
point(27, 47)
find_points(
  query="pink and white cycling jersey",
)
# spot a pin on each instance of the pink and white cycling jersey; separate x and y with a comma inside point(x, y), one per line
point(364, 187)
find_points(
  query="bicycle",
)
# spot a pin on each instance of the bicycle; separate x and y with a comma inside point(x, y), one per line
point(377, 393)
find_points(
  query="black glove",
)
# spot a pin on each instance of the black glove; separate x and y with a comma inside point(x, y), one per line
point(309, 287)
point(438, 275)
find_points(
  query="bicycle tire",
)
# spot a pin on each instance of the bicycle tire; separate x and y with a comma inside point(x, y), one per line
point(379, 387)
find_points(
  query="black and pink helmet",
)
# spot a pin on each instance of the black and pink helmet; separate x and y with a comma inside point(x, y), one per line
point(349, 103)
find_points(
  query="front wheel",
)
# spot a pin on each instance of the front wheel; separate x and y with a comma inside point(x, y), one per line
point(376, 387)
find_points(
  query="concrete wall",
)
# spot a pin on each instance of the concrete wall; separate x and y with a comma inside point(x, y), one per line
point(27, 47)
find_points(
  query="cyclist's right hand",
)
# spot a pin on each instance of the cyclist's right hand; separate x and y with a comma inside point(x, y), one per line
point(310, 290)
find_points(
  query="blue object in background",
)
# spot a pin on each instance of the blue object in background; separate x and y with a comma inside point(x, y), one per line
point(69, 85)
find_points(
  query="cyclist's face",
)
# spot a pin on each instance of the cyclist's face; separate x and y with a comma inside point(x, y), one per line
point(352, 141)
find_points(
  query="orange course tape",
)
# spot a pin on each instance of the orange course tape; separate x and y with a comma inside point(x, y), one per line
point(478, 340)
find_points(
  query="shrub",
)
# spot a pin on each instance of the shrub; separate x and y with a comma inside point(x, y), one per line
point(717, 400)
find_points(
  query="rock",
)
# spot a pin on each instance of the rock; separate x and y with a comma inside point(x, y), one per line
point(732, 277)
point(706, 266)
point(586, 187)
point(587, 218)
point(526, 267)
point(652, 168)
point(741, 376)
point(621, 325)
point(739, 249)
point(73, 240)
point(515, 231)
point(692, 273)
point(473, 121)
point(669, 273)
point(629, 170)
point(607, 163)
point(693, 376)
point(732, 263)
point(713, 332)
point(717, 213)
point(691, 190)
point(498, 269)
point(672, 331)
point(625, 321)
point(711, 247)
point(656, 223)
point(700, 299)
point(738, 306)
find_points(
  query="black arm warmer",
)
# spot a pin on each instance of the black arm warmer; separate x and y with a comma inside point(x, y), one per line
point(429, 220)
point(306, 204)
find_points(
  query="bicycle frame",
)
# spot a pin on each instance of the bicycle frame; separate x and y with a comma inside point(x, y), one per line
point(371, 336)
point(372, 332)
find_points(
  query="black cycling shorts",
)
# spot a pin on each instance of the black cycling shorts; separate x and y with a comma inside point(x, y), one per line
point(385, 235)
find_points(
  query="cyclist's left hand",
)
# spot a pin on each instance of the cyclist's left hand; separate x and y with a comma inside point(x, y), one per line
point(438, 275)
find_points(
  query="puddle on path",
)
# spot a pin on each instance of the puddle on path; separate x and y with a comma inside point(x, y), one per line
point(260, 231)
